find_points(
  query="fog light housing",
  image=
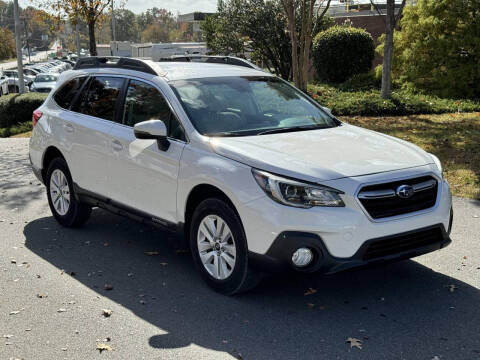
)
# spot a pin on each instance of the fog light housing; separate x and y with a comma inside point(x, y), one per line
point(302, 257)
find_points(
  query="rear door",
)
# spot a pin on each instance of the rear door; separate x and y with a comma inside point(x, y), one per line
point(87, 127)
point(141, 175)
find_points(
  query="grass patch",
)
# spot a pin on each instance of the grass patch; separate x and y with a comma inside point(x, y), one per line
point(360, 95)
point(454, 138)
point(20, 128)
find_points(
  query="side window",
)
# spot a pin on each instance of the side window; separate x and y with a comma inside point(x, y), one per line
point(144, 102)
point(67, 92)
point(100, 98)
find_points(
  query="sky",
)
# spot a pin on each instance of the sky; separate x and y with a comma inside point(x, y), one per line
point(176, 6)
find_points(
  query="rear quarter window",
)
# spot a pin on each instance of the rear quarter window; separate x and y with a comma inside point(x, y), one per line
point(66, 94)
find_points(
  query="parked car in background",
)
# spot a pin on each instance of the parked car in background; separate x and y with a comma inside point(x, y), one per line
point(3, 84)
point(14, 81)
point(44, 82)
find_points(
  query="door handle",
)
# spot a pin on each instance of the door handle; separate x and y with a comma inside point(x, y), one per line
point(117, 145)
point(68, 128)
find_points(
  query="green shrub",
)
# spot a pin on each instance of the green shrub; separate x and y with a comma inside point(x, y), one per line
point(437, 48)
point(19, 128)
point(16, 108)
point(370, 103)
point(340, 52)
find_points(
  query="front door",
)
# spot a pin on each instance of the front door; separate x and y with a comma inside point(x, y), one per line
point(142, 176)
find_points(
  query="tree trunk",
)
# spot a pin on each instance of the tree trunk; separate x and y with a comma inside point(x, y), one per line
point(388, 50)
point(91, 35)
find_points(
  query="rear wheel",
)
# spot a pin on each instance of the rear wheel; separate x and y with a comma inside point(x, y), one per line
point(66, 209)
point(219, 248)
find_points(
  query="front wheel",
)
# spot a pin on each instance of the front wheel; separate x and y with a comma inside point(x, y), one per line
point(66, 209)
point(219, 248)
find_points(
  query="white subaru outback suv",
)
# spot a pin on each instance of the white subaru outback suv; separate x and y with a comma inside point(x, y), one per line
point(255, 175)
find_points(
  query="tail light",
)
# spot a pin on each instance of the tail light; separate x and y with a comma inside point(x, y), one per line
point(36, 116)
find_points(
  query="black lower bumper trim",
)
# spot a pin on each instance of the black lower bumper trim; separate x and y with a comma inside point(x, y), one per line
point(375, 251)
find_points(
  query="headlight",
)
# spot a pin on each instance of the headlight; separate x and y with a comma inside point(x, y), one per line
point(294, 193)
point(437, 162)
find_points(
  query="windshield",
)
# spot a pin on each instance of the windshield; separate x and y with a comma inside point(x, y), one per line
point(11, 73)
point(46, 78)
point(236, 106)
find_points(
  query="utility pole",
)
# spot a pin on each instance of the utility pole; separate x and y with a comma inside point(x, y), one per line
point(18, 46)
point(77, 37)
point(114, 31)
point(26, 39)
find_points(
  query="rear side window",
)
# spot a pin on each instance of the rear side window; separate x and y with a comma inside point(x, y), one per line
point(101, 97)
point(64, 97)
point(144, 102)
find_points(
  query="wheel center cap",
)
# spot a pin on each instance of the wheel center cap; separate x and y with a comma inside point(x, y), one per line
point(217, 246)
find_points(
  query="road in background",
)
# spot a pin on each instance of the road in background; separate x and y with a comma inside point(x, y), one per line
point(39, 56)
point(54, 287)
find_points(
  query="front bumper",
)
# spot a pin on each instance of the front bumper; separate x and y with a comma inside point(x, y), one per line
point(373, 252)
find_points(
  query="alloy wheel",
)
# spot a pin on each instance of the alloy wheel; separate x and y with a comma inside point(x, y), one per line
point(216, 247)
point(59, 192)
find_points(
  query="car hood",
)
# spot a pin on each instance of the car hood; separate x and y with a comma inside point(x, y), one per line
point(323, 154)
point(45, 85)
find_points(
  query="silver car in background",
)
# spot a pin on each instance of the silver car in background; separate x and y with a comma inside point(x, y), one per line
point(44, 82)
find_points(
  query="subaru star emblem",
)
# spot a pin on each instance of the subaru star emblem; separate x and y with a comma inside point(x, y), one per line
point(405, 191)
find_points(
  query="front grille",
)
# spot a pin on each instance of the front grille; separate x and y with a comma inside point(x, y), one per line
point(382, 200)
point(401, 243)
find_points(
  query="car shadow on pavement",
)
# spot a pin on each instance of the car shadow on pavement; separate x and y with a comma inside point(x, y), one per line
point(400, 311)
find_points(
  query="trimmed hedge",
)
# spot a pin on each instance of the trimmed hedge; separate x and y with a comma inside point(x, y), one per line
point(19, 128)
point(16, 108)
point(370, 103)
point(340, 52)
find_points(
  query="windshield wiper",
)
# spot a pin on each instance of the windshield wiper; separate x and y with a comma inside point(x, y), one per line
point(225, 134)
point(292, 129)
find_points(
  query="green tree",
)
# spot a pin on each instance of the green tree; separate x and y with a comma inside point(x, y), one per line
point(303, 17)
point(255, 24)
point(438, 47)
point(7, 44)
point(126, 25)
point(222, 32)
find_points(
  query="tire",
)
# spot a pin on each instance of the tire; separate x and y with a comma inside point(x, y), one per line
point(71, 212)
point(226, 279)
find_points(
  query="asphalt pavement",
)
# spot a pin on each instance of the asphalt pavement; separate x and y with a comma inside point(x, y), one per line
point(55, 284)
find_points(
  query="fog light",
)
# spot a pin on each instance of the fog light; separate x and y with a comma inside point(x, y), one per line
point(302, 257)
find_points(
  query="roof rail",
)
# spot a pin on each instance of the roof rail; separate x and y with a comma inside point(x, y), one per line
point(113, 62)
point(215, 59)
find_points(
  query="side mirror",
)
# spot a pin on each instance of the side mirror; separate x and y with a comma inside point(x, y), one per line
point(152, 129)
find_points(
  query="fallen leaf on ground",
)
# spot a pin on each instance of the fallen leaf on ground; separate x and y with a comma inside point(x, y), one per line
point(310, 291)
point(164, 264)
point(310, 305)
point(130, 274)
point(104, 347)
point(151, 253)
point(106, 312)
point(8, 336)
point(14, 312)
point(61, 310)
point(41, 296)
point(13, 261)
point(108, 287)
point(354, 342)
